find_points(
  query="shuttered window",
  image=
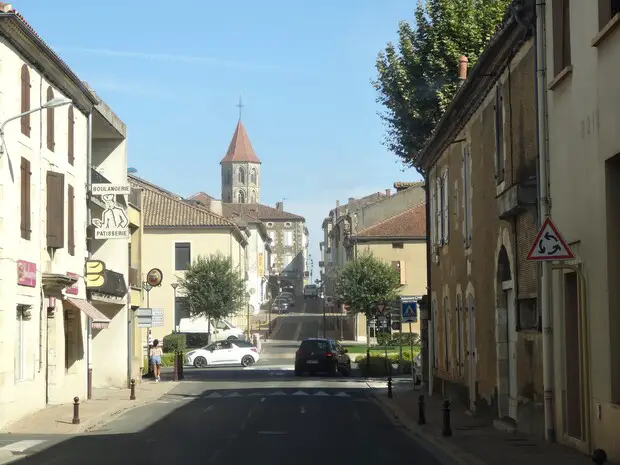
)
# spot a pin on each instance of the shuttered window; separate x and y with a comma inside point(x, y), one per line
point(70, 136)
point(400, 267)
point(25, 199)
point(55, 210)
point(439, 230)
point(50, 122)
point(70, 220)
point(25, 100)
point(445, 192)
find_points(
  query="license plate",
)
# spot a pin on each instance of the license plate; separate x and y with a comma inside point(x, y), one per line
point(312, 362)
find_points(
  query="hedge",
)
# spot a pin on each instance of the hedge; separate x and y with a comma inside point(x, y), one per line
point(175, 342)
point(387, 339)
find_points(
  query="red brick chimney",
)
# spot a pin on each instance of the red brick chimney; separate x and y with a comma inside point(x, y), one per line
point(388, 192)
point(463, 63)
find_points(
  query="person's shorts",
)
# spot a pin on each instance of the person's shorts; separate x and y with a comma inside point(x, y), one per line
point(156, 360)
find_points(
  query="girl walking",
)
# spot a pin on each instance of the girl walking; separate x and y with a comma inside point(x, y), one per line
point(156, 353)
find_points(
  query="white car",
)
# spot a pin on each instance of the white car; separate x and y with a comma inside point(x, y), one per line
point(220, 353)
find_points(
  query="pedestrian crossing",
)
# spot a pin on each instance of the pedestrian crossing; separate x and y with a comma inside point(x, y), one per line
point(358, 396)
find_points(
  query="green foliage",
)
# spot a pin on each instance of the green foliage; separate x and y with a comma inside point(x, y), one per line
point(365, 281)
point(214, 287)
point(196, 340)
point(175, 342)
point(418, 76)
point(394, 340)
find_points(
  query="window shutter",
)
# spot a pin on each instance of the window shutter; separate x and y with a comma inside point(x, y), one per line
point(432, 215)
point(446, 208)
point(439, 234)
point(25, 100)
point(50, 122)
point(25, 199)
point(70, 137)
point(71, 220)
point(55, 210)
point(403, 273)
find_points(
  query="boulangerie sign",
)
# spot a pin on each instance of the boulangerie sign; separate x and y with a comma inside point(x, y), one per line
point(26, 273)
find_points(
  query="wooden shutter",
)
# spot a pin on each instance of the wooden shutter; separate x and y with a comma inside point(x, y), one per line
point(439, 221)
point(71, 220)
point(446, 208)
point(25, 100)
point(55, 210)
point(432, 215)
point(403, 273)
point(70, 137)
point(50, 122)
point(25, 199)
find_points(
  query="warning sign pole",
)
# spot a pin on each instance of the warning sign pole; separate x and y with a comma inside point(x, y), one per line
point(412, 357)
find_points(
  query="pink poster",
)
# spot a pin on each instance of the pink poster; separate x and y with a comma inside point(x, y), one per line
point(26, 273)
point(75, 289)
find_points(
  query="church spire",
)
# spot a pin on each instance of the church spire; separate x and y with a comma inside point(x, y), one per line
point(240, 148)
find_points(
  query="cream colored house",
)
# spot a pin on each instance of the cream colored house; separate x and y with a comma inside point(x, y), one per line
point(583, 62)
point(43, 311)
point(176, 232)
point(134, 280)
point(400, 241)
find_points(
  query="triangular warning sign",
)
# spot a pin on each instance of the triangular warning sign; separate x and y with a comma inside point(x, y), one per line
point(409, 311)
point(549, 245)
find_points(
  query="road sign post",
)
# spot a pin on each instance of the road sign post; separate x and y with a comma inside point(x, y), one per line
point(409, 314)
point(549, 245)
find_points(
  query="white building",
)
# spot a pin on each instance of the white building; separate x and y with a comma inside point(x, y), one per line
point(43, 214)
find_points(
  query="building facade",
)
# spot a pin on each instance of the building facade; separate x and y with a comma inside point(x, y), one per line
point(135, 277)
point(484, 341)
point(582, 62)
point(44, 312)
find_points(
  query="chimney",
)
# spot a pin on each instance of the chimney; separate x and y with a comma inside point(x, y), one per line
point(6, 7)
point(337, 203)
point(463, 62)
point(280, 206)
point(388, 192)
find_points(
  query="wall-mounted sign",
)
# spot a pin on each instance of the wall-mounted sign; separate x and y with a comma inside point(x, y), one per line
point(114, 223)
point(26, 273)
point(154, 277)
point(94, 274)
point(104, 188)
point(74, 289)
point(148, 317)
point(261, 265)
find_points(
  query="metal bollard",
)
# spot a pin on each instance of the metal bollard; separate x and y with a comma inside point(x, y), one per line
point(181, 368)
point(76, 411)
point(175, 367)
point(132, 389)
point(390, 395)
point(446, 430)
point(599, 457)
point(421, 411)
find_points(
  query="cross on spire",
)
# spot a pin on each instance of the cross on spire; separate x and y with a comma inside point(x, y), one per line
point(240, 106)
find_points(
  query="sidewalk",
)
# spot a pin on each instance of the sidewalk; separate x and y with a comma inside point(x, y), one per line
point(105, 405)
point(473, 441)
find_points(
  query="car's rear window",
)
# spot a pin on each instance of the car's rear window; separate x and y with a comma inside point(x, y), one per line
point(314, 346)
point(310, 286)
point(240, 343)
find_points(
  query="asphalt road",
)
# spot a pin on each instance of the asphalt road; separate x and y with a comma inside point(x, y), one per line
point(259, 415)
point(304, 320)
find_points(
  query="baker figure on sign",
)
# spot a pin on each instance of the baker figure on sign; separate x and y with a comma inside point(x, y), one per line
point(113, 217)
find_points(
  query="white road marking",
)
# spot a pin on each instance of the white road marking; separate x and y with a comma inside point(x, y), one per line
point(21, 446)
point(342, 394)
point(256, 394)
point(272, 432)
point(210, 407)
point(213, 395)
point(278, 393)
point(263, 399)
point(234, 394)
point(321, 393)
point(298, 330)
point(300, 393)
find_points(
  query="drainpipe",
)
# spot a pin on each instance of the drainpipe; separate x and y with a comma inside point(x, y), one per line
point(89, 321)
point(544, 213)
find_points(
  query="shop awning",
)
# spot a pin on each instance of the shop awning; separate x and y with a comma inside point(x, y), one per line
point(99, 320)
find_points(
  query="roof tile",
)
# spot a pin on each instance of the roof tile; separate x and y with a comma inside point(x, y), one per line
point(240, 148)
point(262, 212)
point(409, 224)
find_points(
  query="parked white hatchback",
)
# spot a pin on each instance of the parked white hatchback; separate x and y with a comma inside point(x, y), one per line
point(236, 352)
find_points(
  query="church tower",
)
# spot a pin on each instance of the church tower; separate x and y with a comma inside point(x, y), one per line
point(240, 170)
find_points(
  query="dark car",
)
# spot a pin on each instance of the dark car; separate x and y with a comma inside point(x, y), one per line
point(320, 355)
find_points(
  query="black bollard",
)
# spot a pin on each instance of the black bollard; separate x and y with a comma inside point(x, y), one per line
point(446, 430)
point(390, 395)
point(421, 411)
point(132, 389)
point(181, 368)
point(599, 457)
point(76, 411)
point(175, 367)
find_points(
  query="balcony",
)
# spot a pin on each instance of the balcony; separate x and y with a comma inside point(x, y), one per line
point(113, 285)
point(133, 276)
point(517, 199)
point(135, 198)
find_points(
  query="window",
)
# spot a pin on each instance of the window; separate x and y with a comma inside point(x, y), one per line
point(460, 339)
point(434, 333)
point(528, 318)
point(181, 310)
point(607, 9)
point(71, 220)
point(228, 176)
point(50, 122)
point(220, 325)
point(55, 210)
point(25, 208)
point(253, 175)
point(445, 208)
point(25, 100)
point(241, 175)
point(182, 256)
point(70, 136)
point(561, 35)
point(467, 196)
point(446, 332)
point(499, 136)
point(400, 268)
point(253, 196)
point(21, 333)
point(433, 215)
point(398, 245)
point(288, 238)
point(241, 197)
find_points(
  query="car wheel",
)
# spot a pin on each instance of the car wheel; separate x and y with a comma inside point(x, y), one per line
point(200, 362)
point(247, 361)
point(232, 338)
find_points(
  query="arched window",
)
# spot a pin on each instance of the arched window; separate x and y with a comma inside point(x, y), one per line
point(253, 196)
point(50, 122)
point(25, 100)
point(253, 176)
point(241, 175)
point(241, 197)
point(229, 176)
point(70, 136)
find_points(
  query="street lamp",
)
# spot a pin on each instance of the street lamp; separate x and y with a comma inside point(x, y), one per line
point(53, 103)
point(147, 288)
point(174, 287)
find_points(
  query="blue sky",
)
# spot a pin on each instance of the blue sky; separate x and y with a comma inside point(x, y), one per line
point(174, 71)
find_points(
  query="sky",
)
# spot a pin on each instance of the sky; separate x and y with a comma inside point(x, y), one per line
point(174, 73)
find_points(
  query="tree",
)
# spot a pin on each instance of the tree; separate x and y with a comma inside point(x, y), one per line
point(418, 77)
point(366, 281)
point(214, 287)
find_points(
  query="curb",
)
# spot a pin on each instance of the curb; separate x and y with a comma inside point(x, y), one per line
point(446, 452)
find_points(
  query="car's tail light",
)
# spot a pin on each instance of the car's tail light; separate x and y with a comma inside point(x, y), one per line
point(328, 354)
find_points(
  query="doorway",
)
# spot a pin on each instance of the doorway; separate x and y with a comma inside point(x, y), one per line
point(471, 352)
point(572, 358)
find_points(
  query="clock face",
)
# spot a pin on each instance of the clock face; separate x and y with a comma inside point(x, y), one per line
point(154, 277)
